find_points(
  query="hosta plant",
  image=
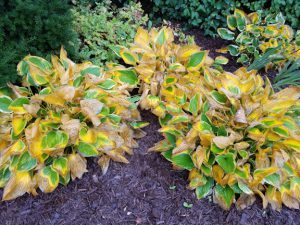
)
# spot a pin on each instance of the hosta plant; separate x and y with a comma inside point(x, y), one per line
point(253, 36)
point(234, 135)
point(164, 68)
point(63, 113)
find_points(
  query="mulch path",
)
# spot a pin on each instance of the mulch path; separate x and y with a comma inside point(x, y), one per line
point(136, 193)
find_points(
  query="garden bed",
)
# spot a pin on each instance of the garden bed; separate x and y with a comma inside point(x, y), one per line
point(146, 191)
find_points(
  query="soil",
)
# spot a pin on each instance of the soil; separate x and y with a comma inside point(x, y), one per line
point(145, 191)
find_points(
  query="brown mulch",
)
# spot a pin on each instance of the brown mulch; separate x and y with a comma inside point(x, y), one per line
point(136, 193)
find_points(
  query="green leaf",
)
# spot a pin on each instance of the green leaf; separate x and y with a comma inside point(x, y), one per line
point(245, 188)
point(78, 80)
point(221, 60)
point(196, 59)
point(87, 150)
point(244, 59)
point(194, 105)
point(218, 97)
point(94, 70)
point(240, 20)
point(40, 63)
point(225, 195)
point(231, 22)
point(55, 139)
point(139, 124)
point(233, 50)
point(107, 84)
point(273, 179)
point(225, 34)
point(128, 76)
point(51, 179)
point(18, 103)
point(4, 176)
point(161, 37)
point(115, 118)
point(23, 68)
point(203, 191)
point(183, 160)
point(227, 162)
point(5, 101)
point(26, 162)
point(215, 149)
point(45, 91)
point(61, 166)
point(187, 205)
point(173, 187)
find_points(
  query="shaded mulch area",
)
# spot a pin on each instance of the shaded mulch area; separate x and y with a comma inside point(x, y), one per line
point(136, 193)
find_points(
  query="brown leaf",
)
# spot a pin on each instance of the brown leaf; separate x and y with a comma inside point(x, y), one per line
point(77, 165)
point(244, 201)
point(240, 116)
point(103, 162)
point(72, 128)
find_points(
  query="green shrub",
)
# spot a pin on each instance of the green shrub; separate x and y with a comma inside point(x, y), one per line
point(210, 14)
point(102, 26)
point(32, 26)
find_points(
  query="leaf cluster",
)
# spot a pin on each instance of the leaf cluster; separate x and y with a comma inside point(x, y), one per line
point(234, 135)
point(63, 113)
point(102, 26)
point(267, 40)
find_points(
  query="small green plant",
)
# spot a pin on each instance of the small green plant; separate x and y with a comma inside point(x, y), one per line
point(234, 135)
point(103, 26)
point(63, 113)
point(254, 36)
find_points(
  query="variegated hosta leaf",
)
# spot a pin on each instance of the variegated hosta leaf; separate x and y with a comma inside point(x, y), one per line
point(234, 135)
point(267, 41)
point(74, 111)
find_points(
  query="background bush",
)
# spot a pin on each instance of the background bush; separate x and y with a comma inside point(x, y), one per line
point(208, 15)
point(37, 27)
point(101, 25)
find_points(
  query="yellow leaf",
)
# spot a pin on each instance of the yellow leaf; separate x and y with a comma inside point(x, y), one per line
point(52, 99)
point(18, 184)
point(142, 37)
point(18, 125)
point(186, 51)
point(292, 143)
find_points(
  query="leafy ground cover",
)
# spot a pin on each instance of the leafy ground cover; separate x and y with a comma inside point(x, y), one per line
point(146, 191)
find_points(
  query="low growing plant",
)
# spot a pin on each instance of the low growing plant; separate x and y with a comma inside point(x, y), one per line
point(234, 135)
point(102, 26)
point(63, 113)
point(254, 36)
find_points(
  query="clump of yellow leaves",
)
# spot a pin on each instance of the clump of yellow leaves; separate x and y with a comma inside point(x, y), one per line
point(230, 130)
point(63, 113)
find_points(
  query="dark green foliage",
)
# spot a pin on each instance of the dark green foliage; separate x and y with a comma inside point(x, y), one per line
point(208, 15)
point(38, 27)
point(102, 26)
point(290, 9)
